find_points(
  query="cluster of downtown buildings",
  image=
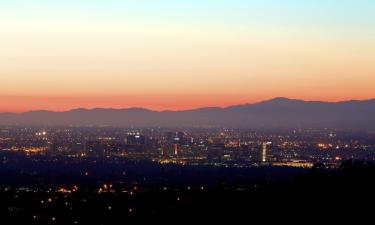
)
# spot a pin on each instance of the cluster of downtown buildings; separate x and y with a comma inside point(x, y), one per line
point(193, 146)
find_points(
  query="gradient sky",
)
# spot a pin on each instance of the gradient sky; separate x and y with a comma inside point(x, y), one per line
point(178, 54)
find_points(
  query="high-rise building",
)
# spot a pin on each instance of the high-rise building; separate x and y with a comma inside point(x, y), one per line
point(175, 147)
point(135, 139)
point(265, 152)
point(215, 152)
point(176, 137)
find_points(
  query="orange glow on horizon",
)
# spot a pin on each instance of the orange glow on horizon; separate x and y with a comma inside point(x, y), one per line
point(182, 55)
point(19, 104)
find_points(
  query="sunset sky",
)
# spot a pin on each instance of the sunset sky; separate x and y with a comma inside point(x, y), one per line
point(180, 54)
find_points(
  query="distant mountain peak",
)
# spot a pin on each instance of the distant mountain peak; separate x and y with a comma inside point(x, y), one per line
point(39, 111)
point(281, 100)
point(274, 113)
point(79, 110)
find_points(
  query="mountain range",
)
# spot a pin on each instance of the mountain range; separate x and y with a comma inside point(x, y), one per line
point(274, 113)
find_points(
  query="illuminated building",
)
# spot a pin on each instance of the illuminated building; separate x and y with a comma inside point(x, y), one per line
point(215, 152)
point(176, 137)
point(135, 139)
point(175, 149)
point(265, 154)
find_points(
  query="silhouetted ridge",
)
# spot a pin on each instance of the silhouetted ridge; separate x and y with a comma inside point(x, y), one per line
point(275, 113)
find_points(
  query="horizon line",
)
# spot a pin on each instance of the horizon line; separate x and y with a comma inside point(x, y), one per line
point(188, 109)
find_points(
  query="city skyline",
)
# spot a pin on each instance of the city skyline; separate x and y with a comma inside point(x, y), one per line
point(129, 111)
point(180, 55)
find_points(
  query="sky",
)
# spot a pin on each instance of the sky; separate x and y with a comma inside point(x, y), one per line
point(168, 54)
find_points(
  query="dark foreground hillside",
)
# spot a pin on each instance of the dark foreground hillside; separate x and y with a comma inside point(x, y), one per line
point(319, 193)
